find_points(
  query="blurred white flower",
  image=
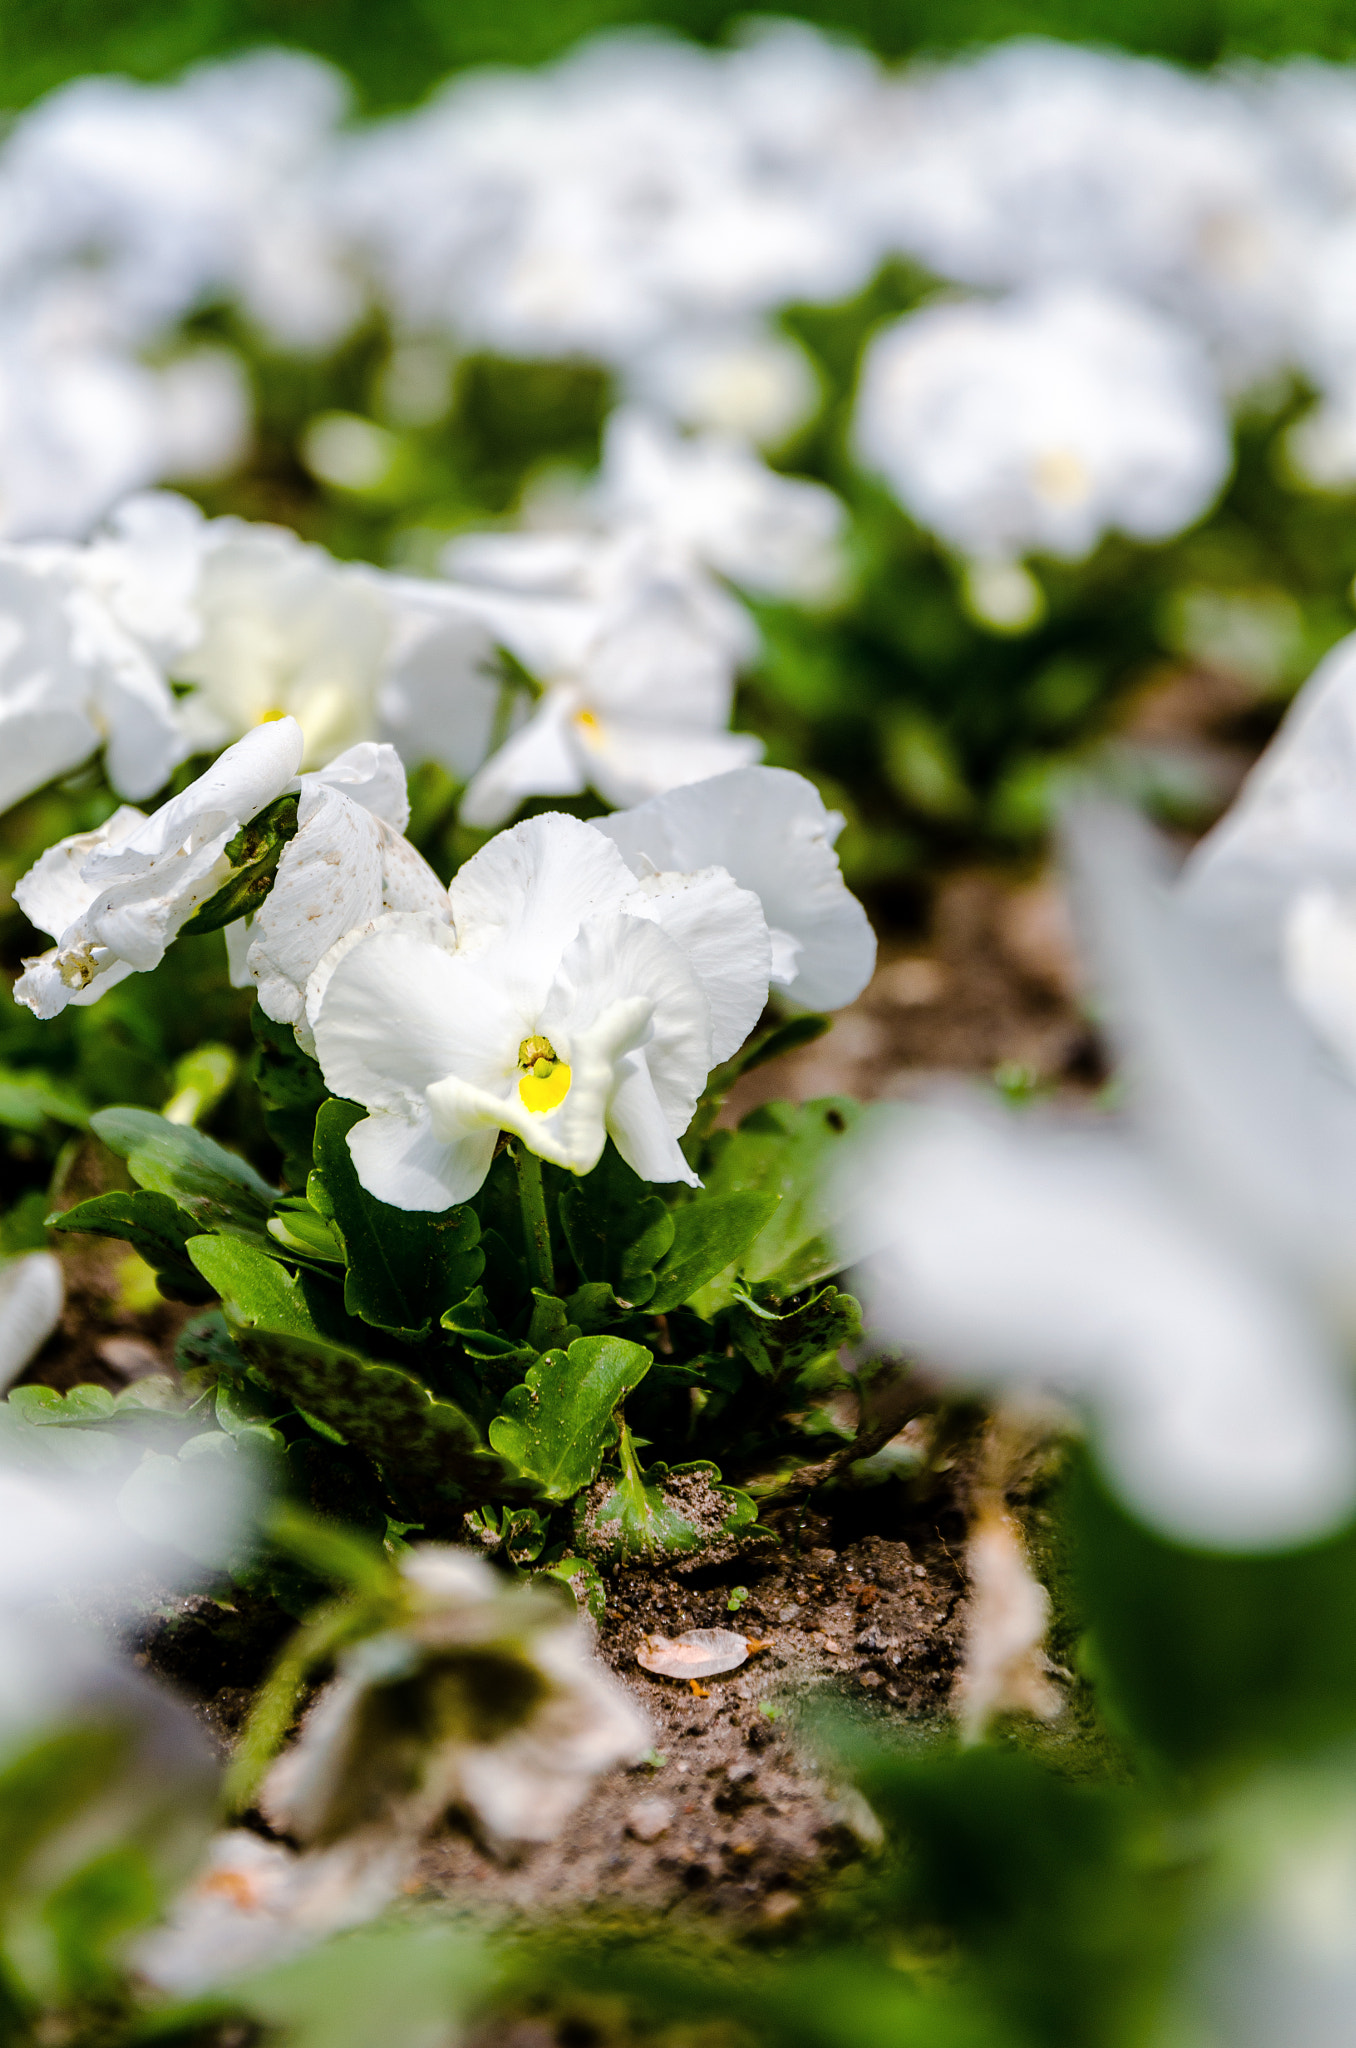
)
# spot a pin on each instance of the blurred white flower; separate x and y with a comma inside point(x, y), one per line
point(254, 1902)
point(32, 1295)
point(770, 830)
point(575, 1004)
point(1037, 163)
point(745, 381)
point(1279, 869)
point(637, 649)
point(73, 679)
point(1043, 422)
point(710, 496)
point(598, 205)
point(486, 1699)
point(1185, 1282)
point(114, 899)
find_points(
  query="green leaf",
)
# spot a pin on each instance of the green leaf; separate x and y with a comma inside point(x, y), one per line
point(710, 1233)
point(785, 1148)
point(662, 1512)
point(792, 1344)
point(427, 1450)
point(154, 1225)
point(29, 1099)
point(405, 1267)
point(291, 1089)
point(472, 1321)
point(559, 1423)
point(254, 854)
point(581, 1576)
point(617, 1230)
point(218, 1188)
point(303, 1230)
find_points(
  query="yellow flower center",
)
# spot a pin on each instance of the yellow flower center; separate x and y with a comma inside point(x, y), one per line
point(270, 717)
point(543, 1080)
point(588, 720)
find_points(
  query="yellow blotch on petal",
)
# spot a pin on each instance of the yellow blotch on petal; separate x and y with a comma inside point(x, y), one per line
point(544, 1080)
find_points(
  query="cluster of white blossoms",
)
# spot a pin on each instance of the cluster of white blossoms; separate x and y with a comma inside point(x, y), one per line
point(169, 635)
point(576, 981)
point(1181, 1274)
point(1167, 239)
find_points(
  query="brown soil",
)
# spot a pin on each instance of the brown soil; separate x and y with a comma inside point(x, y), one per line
point(733, 1813)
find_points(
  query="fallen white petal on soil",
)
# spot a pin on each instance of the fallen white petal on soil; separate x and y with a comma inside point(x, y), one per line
point(700, 1653)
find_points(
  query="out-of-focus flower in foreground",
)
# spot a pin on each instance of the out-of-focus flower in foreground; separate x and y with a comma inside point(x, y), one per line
point(1183, 1282)
point(485, 1698)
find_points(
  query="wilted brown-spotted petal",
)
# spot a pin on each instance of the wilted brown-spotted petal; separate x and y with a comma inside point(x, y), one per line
point(699, 1653)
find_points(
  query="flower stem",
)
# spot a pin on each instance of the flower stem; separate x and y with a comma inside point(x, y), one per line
point(536, 1229)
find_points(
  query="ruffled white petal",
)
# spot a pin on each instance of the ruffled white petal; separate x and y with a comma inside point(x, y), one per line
point(403, 1163)
point(400, 1013)
point(721, 929)
point(616, 957)
point(530, 890)
point(771, 830)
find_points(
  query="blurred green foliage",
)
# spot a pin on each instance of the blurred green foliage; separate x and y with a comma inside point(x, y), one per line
point(394, 49)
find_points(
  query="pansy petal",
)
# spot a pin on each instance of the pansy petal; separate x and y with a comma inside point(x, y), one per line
point(540, 760)
point(373, 775)
point(629, 759)
point(328, 881)
point(721, 929)
point(640, 1131)
point(770, 828)
point(400, 1013)
point(402, 1163)
point(614, 957)
point(530, 889)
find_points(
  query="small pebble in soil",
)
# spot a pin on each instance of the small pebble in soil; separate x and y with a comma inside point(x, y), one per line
point(648, 1819)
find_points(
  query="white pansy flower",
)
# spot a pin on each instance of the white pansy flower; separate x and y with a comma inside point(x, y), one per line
point(1043, 422)
point(743, 381)
point(519, 1718)
point(712, 497)
point(1185, 1282)
point(265, 623)
point(770, 829)
point(347, 865)
point(637, 650)
point(114, 899)
point(574, 1005)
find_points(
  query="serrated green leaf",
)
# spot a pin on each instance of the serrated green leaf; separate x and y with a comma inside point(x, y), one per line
point(427, 1450)
point(405, 1267)
point(550, 1328)
point(710, 1233)
point(216, 1187)
point(559, 1423)
point(786, 1148)
point(644, 1514)
point(154, 1225)
point(291, 1089)
point(254, 854)
point(617, 1230)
